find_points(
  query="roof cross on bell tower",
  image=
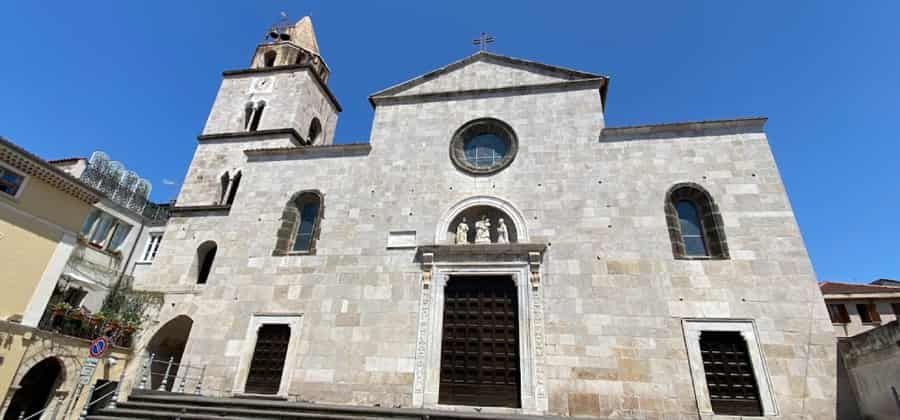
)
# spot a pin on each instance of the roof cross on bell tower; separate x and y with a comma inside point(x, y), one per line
point(483, 40)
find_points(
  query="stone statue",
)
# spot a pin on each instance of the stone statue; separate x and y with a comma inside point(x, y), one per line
point(502, 232)
point(462, 232)
point(483, 230)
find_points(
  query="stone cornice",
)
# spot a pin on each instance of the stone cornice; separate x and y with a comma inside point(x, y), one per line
point(331, 150)
point(684, 129)
point(492, 250)
point(23, 161)
point(296, 138)
point(598, 83)
point(190, 210)
point(288, 68)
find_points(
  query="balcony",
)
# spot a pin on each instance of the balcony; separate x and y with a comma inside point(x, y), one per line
point(62, 319)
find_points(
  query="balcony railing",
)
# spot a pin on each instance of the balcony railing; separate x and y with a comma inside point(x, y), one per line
point(75, 323)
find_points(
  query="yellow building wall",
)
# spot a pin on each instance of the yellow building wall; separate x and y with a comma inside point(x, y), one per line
point(11, 353)
point(27, 241)
point(23, 347)
point(25, 250)
point(44, 201)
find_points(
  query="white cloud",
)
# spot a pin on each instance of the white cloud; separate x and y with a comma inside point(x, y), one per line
point(168, 181)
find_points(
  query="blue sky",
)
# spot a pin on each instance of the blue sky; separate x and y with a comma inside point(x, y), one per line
point(136, 79)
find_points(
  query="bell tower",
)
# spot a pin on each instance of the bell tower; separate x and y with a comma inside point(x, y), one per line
point(285, 88)
point(291, 44)
point(281, 101)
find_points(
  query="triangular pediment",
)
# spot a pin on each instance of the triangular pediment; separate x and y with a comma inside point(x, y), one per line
point(482, 71)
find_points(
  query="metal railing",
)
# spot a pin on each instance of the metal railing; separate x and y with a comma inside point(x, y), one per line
point(104, 392)
point(84, 326)
point(38, 414)
point(184, 378)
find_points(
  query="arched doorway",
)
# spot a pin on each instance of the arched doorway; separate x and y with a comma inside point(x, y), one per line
point(36, 388)
point(168, 343)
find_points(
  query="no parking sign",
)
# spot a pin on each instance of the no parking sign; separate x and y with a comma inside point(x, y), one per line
point(99, 347)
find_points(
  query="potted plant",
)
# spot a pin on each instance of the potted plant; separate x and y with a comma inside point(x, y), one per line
point(112, 325)
point(60, 308)
point(59, 311)
point(73, 322)
point(97, 318)
point(131, 322)
point(75, 315)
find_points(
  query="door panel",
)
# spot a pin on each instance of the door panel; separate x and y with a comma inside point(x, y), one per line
point(268, 359)
point(480, 344)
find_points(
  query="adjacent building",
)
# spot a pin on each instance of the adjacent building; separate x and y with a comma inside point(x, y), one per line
point(70, 234)
point(864, 317)
point(493, 246)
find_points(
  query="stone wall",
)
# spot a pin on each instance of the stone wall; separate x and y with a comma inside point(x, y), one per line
point(872, 360)
point(614, 298)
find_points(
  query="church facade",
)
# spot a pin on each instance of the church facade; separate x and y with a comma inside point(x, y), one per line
point(493, 245)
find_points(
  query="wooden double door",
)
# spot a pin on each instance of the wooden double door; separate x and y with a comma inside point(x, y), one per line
point(269, 355)
point(480, 343)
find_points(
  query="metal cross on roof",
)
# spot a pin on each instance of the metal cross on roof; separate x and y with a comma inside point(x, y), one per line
point(483, 40)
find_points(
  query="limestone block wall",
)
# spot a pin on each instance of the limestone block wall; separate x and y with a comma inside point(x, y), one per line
point(212, 158)
point(614, 297)
point(292, 99)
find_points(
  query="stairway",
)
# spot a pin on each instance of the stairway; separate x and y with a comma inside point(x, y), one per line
point(151, 405)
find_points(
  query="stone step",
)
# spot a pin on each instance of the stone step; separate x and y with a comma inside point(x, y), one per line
point(156, 405)
point(220, 412)
point(131, 413)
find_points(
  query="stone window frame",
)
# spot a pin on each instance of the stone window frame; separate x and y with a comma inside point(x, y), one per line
point(426, 381)
point(712, 225)
point(151, 248)
point(290, 219)
point(253, 113)
point(294, 321)
point(202, 254)
point(480, 126)
point(314, 134)
point(692, 328)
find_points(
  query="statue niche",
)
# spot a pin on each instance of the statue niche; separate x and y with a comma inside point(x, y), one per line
point(482, 225)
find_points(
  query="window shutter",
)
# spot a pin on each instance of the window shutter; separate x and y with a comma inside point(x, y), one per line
point(873, 312)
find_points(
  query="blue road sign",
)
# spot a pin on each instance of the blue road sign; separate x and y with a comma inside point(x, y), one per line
point(99, 347)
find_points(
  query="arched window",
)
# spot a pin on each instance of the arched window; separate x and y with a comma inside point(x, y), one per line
point(300, 224)
point(308, 208)
point(696, 228)
point(206, 254)
point(315, 130)
point(257, 116)
point(233, 187)
point(248, 115)
point(269, 59)
point(224, 180)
